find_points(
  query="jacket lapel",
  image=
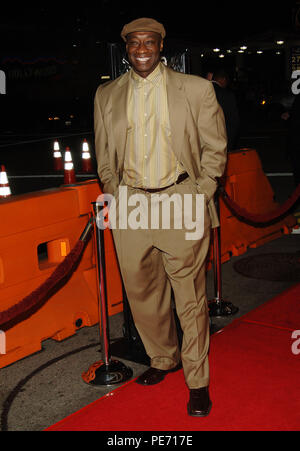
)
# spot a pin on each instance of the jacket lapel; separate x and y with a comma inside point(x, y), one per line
point(177, 110)
point(119, 117)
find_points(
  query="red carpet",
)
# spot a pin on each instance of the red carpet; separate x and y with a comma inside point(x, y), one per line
point(282, 311)
point(254, 383)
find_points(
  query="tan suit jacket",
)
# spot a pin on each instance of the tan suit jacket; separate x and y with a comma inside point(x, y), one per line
point(197, 129)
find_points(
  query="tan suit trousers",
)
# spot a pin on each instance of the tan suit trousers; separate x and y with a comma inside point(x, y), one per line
point(154, 261)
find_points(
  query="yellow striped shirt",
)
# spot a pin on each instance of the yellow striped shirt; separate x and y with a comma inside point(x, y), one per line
point(149, 159)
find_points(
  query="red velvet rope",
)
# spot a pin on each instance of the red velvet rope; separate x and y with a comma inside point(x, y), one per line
point(259, 219)
point(34, 299)
point(16, 313)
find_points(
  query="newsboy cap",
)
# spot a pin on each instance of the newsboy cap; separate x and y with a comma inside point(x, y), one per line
point(143, 24)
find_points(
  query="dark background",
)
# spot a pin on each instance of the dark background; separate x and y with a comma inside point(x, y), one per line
point(55, 55)
point(47, 24)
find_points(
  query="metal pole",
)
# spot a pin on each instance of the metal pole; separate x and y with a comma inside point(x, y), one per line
point(217, 264)
point(104, 327)
point(218, 306)
point(107, 371)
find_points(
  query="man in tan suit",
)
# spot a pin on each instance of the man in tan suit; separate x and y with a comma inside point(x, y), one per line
point(161, 134)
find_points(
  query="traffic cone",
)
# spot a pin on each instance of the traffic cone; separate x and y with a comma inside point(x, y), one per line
point(86, 158)
point(69, 173)
point(4, 184)
point(58, 161)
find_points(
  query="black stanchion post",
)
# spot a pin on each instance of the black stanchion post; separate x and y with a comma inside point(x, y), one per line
point(218, 306)
point(108, 371)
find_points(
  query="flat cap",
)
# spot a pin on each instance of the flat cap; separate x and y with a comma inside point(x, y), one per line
point(143, 24)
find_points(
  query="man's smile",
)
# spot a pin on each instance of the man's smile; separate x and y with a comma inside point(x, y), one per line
point(142, 59)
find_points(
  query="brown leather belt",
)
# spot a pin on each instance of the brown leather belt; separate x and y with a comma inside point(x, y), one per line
point(180, 179)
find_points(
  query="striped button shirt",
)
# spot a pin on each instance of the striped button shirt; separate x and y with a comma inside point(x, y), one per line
point(149, 159)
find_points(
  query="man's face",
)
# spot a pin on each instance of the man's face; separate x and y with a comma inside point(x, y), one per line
point(143, 49)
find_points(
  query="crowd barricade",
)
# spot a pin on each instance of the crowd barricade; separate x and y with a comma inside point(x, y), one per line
point(37, 231)
point(246, 183)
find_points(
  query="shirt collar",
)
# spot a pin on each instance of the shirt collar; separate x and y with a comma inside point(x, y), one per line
point(155, 77)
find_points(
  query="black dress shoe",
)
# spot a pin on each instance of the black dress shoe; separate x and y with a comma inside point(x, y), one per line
point(199, 404)
point(153, 375)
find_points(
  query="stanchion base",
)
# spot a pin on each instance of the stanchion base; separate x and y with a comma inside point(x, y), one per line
point(100, 374)
point(219, 308)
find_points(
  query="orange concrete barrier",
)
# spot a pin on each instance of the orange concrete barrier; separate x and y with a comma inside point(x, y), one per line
point(37, 231)
point(247, 184)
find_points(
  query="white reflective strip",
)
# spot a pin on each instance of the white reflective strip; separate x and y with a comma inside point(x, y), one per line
point(56, 146)
point(5, 191)
point(3, 178)
point(86, 156)
point(57, 154)
point(85, 147)
point(68, 156)
point(69, 166)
